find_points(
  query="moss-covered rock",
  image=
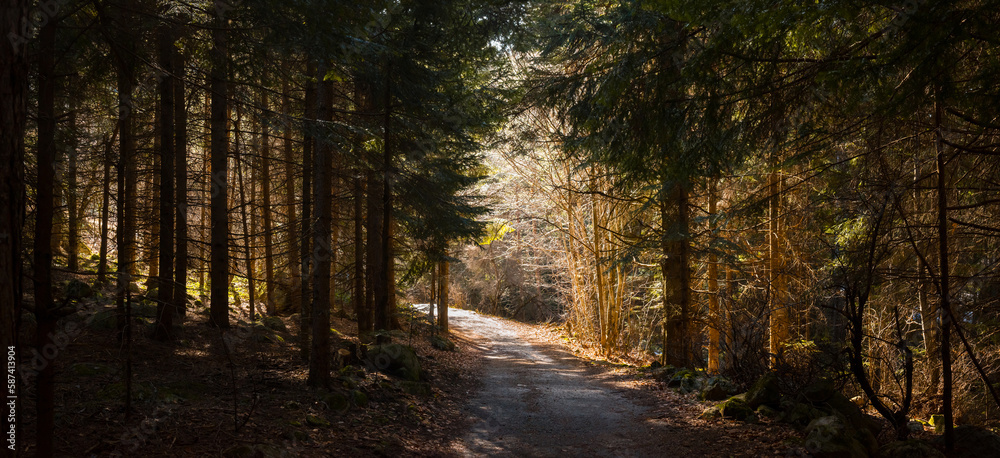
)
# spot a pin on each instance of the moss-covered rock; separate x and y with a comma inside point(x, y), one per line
point(909, 449)
point(395, 359)
point(687, 381)
point(679, 376)
point(663, 373)
point(717, 389)
point(317, 421)
point(866, 427)
point(711, 413)
point(442, 343)
point(336, 401)
point(78, 290)
point(274, 323)
point(736, 408)
point(831, 436)
point(799, 414)
point(818, 391)
point(359, 398)
point(765, 391)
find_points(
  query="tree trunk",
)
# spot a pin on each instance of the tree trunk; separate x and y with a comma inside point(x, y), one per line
point(244, 203)
point(779, 322)
point(42, 272)
point(945, 287)
point(305, 315)
point(295, 284)
point(676, 278)
point(361, 309)
point(265, 181)
point(292, 222)
point(443, 296)
point(219, 275)
point(714, 347)
point(165, 307)
point(930, 328)
point(383, 294)
point(13, 117)
point(433, 298)
point(180, 172)
point(73, 212)
point(319, 356)
point(102, 263)
point(153, 217)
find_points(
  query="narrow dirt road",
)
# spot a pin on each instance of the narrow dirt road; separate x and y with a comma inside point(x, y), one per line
point(537, 399)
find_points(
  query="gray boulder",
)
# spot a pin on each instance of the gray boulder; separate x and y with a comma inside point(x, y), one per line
point(395, 359)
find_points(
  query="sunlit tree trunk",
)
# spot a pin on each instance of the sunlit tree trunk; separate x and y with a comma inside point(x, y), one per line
point(265, 182)
point(599, 271)
point(714, 318)
point(779, 316)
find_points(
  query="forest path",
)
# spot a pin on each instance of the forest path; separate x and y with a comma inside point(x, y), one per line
point(538, 399)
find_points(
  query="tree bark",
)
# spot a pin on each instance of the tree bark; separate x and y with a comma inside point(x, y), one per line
point(443, 277)
point(265, 181)
point(180, 172)
point(779, 316)
point(676, 277)
point(383, 291)
point(945, 287)
point(102, 263)
point(291, 222)
point(305, 315)
point(13, 118)
point(73, 212)
point(244, 203)
point(165, 307)
point(714, 346)
point(42, 253)
point(319, 356)
point(219, 269)
point(361, 309)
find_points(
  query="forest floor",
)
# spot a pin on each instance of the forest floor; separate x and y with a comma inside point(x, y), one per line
point(510, 389)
